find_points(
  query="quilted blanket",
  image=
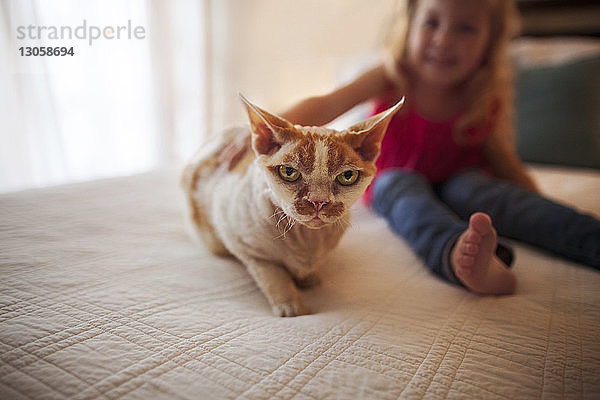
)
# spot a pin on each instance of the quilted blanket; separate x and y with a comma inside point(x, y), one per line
point(103, 295)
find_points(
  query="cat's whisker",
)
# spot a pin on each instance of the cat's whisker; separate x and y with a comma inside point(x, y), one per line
point(285, 231)
point(290, 222)
point(282, 217)
point(343, 223)
point(350, 225)
point(277, 212)
point(290, 225)
point(339, 225)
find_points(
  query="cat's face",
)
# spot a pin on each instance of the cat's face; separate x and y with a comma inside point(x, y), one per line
point(315, 174)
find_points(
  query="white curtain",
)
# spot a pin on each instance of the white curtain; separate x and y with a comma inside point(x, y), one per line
point(117, 106)
point(74, 117)
point(127, 105)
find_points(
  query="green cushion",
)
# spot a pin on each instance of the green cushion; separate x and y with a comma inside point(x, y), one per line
point(558, 113)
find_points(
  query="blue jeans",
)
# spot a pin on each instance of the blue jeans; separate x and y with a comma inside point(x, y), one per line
point(432, 217)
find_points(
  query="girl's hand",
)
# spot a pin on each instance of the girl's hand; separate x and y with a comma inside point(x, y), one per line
point(234, 151)
point(320, 110)
point(527, 182)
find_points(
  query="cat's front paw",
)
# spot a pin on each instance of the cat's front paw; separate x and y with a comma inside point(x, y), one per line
point(290, 308)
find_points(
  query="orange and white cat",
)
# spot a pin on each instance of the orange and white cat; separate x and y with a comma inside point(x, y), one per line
point(283, 203)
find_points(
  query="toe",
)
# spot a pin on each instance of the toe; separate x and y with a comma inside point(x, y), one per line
point(470, 249)
point(480, 223)
point(472, 237)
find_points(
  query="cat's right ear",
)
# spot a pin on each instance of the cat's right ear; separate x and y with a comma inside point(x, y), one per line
point(269, 131)
point(366, 136)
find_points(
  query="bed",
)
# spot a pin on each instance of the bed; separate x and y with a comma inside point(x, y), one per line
point(104, 295)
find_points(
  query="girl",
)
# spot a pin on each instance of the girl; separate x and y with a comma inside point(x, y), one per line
point(448, 166)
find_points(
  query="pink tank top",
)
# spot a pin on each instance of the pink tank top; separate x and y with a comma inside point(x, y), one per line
point(416, 144)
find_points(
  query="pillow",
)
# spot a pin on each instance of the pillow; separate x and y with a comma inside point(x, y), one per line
point(558, 113)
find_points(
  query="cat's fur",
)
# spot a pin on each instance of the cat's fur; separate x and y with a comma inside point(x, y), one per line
point(240, 203)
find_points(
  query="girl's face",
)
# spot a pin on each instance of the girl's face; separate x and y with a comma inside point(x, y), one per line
point(447, 40)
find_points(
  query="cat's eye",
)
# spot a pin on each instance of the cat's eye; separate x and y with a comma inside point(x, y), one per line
point(289, 174)
point(347, 178)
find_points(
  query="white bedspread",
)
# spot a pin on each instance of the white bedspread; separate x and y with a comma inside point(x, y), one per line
point(104, 295)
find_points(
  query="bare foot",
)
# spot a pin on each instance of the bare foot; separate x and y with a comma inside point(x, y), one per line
point(474, 261)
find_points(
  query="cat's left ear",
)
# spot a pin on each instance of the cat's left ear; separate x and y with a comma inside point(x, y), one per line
point(365, 137)
point(269, 131)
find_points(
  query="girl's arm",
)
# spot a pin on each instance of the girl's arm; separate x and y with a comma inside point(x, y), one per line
point(319, 110)
point(506, 164)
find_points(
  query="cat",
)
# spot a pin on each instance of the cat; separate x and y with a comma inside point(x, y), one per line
point(281, 202)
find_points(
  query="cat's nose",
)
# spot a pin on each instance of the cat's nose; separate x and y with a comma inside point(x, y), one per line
point(318, 204)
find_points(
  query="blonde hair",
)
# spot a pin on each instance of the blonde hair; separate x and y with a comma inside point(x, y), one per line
point(489, 89)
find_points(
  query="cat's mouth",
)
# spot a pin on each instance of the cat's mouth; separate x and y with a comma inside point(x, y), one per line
point(315, 217)
point(315, 222)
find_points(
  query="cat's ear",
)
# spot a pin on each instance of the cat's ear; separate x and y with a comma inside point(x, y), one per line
point(269, 131)
point(365, 137)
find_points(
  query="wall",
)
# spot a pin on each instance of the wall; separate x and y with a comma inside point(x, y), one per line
point(277, 52)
